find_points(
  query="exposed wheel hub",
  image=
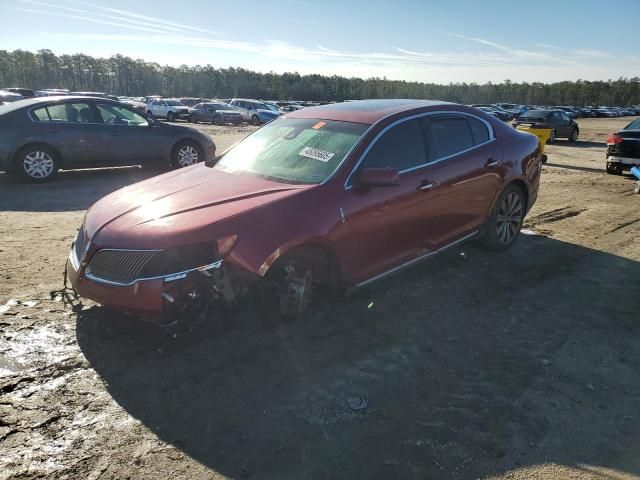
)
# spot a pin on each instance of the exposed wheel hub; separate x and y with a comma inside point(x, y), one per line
point(296, 295)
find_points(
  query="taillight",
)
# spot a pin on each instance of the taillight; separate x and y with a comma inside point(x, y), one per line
point(614, 139)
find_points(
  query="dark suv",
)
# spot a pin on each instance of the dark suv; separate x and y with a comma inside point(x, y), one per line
point(561, 124)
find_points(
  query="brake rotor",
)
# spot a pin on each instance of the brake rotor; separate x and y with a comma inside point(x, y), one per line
point(296, 295)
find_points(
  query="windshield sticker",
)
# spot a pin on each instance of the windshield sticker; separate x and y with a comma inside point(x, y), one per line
point(316, 154)
point(319, 125)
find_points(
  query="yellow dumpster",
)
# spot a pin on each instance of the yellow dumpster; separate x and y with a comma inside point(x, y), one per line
point(543, 135)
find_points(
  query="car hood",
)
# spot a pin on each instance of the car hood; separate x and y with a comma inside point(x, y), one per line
point(179, 207)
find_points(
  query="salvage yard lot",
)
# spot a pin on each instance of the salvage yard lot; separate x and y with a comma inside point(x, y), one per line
point(523, 364)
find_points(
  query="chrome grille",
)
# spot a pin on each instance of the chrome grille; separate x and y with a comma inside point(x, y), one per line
point(119, 266)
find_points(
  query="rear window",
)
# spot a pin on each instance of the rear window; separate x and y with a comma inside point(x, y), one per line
point(635, 125)
point(451, 134)
point(65, 112)
point(479, 131)
point(536, 114)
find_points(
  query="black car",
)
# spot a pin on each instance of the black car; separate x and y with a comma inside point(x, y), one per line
point(214, 112)
point(41, 135)
point(561, 125)
point(623, 148)
point(25, 92)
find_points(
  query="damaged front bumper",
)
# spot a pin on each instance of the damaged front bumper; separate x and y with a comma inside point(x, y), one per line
point(148, 295)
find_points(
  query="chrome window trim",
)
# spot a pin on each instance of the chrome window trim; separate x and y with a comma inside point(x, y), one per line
point(416, 260)
point(62, 122)
point(432, 162)
point(169, 277)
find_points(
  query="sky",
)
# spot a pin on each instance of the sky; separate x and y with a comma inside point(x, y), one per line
point(416, 40)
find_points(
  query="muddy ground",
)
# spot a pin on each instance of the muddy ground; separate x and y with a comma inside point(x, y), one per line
point(523, 364)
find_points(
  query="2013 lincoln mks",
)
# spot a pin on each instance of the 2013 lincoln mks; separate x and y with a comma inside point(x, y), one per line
point(342, 194)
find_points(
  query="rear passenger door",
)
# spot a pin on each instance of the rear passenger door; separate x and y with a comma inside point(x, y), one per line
point(73, 130)
point(469, 172)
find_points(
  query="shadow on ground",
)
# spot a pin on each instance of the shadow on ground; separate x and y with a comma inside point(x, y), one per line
point(70, 190)
point(471, 364)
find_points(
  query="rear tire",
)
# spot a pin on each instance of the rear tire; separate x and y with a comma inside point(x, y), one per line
point(217, 120)
point(255, 120)
point(37, 163)
point(503, 226)
point(171, 117)
point(193, 119)
point(574, 135)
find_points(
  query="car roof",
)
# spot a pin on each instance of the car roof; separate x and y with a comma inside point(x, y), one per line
point(363, 111)
point(30, 102)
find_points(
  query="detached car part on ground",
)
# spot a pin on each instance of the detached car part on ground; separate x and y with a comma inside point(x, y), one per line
point(623, 149)
point(41, 135)
point(340, 195)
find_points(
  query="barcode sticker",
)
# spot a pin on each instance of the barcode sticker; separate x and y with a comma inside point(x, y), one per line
point(316, 154)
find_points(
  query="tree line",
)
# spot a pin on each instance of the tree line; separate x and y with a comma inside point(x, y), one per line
point(121, 75)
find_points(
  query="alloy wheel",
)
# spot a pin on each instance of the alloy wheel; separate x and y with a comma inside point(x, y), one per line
point(187, 155)
point(38, 164)
point(509, 218)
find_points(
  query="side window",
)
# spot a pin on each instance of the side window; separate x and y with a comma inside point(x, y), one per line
point(41, 114)
point(71, 113)
point(479, 131)
point(116, 115)
point(451, 134)
point(401, 147)
point(156, 104)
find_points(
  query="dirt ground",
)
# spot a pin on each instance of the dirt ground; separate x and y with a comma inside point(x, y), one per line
point(517, 365)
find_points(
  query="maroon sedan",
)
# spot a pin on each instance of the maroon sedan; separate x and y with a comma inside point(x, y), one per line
point(341, 194)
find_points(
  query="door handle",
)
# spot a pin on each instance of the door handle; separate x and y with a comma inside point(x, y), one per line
point(424, 186)
point(491, 163)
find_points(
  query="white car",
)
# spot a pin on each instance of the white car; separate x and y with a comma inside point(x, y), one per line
point(167, 108)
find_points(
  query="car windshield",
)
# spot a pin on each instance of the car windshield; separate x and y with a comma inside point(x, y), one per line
point(293, 150)
point(533, 114)
point(174, 103)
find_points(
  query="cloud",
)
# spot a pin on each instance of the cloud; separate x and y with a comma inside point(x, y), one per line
point(122, 18)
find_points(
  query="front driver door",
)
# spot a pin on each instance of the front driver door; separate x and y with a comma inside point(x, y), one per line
point(386, 227)
point(133, 140)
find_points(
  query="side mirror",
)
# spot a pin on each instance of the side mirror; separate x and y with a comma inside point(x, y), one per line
point(378, 177)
